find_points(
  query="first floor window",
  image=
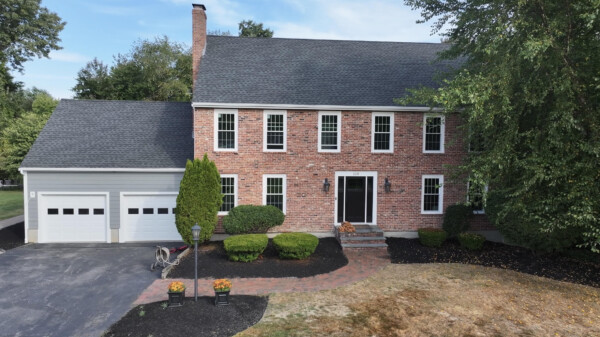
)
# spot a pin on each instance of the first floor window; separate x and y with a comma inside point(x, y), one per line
point(433, 134)
point(228, 189)
point(475, 197)
point(226, 130)
point(432, 194)
point(274, 186)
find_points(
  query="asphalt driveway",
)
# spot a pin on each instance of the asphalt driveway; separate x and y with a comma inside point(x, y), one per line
point(71, 290)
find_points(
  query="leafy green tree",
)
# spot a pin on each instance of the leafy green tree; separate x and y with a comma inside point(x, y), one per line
point(249, 28)
point(199, 199)
point(27, 30)
point(93, 81)
point(529, 90)
point(16, 139)
point(158, 70)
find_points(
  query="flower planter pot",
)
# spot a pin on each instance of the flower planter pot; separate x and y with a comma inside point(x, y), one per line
point(221, 297)
point(176, 299)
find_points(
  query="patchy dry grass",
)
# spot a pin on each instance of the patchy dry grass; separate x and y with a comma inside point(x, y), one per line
point(437, 300)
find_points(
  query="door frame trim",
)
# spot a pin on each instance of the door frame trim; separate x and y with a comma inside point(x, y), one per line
point(122, 214)
point(355, 174)
point(42, 226)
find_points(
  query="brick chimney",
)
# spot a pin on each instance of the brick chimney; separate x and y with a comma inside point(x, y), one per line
point(198, 37)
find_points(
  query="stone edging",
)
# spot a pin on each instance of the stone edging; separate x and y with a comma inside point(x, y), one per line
point(167, 269)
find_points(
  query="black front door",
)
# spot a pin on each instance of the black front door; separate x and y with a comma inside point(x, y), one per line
point(355, 199)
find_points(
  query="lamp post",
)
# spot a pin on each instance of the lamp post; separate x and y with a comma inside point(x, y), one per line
point(196, 236)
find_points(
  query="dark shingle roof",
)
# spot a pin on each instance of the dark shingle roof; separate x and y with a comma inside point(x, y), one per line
point(114, 134)
point(314, 72)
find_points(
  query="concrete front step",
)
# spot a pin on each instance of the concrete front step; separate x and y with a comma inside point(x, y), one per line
point(363, 240)
point(365, 237)
point(364, 245)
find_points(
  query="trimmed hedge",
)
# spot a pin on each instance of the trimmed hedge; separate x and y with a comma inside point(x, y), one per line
point(295, 245)
point(456, 219)
point(432, 237)
point(245, 248)
point(471, 241)
point(252, 219)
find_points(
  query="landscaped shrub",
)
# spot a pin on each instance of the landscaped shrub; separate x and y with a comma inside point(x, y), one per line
point(456, 219)
point(245, 248)
point(252, 219)
point(520, 228)
point(432, 237)
point(295, 245)
point(471, 241)
point(199, 199)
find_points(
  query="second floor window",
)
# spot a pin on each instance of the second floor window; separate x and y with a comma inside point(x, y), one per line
point(433, 134)
point(382, 135)
point(330, 131)
point(275, 129)
point(226, 126)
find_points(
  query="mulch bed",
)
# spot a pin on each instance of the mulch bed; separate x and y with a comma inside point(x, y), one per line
point(12, 237)
point(213, 263)
point(200, 318)
point(583, 270)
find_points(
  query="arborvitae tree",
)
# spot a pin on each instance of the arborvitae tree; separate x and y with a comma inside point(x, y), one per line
point(199, 199)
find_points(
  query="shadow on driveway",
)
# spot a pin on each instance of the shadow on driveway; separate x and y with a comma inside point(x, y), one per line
point(71, 289)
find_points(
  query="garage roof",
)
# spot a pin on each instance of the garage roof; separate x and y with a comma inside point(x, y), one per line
point(314, 72)
point(114, 134)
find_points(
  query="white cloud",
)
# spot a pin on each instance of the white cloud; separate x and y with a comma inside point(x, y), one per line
point(68, 57)
point(376, 20)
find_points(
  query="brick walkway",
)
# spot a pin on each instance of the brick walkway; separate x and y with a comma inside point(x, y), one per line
point(361, 264)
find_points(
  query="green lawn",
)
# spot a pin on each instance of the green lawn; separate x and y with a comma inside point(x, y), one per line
point(11, 204)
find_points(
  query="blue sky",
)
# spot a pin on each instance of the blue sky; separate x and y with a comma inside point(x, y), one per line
point(103, 28)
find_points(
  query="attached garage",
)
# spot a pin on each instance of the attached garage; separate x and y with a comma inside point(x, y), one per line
point(73, 217)
point(148, 217)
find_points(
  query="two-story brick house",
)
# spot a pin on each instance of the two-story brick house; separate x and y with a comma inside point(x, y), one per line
point(309, 126)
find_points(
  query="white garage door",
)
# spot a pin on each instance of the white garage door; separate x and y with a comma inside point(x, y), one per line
point(73, 217)
point(149, 217)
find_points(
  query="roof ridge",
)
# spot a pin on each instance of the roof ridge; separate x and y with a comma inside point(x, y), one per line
point(323, 40)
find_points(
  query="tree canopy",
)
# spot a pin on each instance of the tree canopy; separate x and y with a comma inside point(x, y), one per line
point(529, 93)
point(17, 136)
point(249, 28)
point(158, 70)
point(27, 30)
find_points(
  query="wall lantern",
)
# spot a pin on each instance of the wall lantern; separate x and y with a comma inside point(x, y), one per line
point(326, 185)
point(387, 185)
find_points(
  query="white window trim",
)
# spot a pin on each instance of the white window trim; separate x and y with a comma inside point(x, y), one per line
point(265, 120)
point(284, 179)
point(441, 193)
point(485, 189)
point(443, 132)
point(382, 114)
point(339, 130)
point(235, 190)
point(216, 129)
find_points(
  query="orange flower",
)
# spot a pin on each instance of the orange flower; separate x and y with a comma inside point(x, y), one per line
point(222, 284)
point(176, 287)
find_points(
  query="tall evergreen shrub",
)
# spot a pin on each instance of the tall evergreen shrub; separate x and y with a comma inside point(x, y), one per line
point(199, 199)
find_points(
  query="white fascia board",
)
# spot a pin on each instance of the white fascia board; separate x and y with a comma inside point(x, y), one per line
point(100, 169)
point(313, 107)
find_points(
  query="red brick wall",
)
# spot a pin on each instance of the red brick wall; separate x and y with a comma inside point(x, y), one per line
point(308, 207)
